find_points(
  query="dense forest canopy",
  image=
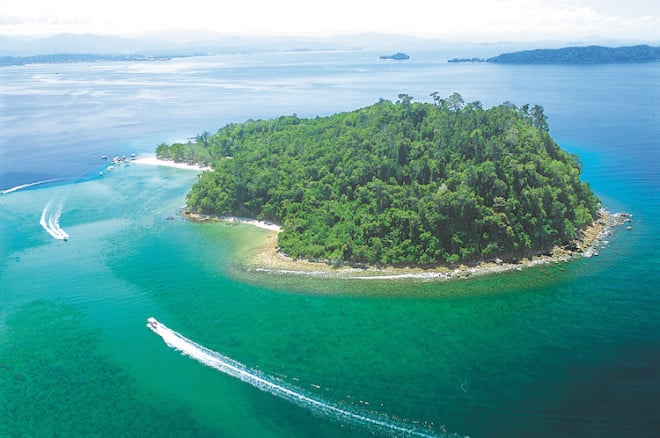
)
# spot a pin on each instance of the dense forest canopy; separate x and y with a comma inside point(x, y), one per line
point(398, 182)
point(581, 55)
point(575, 55)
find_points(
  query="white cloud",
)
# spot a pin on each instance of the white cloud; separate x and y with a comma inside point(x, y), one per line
point(465, 19)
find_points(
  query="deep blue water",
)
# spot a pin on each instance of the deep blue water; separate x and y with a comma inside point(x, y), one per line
point(562, 350)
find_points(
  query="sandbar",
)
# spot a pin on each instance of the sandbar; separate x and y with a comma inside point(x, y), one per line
point(152, 160)
point(241, 220)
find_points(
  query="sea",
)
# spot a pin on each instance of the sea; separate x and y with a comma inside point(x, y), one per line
point(88, 254)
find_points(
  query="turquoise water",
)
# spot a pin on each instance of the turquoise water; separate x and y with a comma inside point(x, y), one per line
point(567, 349)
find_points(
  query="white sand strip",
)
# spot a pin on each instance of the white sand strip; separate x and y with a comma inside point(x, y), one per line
point(261, 224)
point(152, 160)
point(241, 220)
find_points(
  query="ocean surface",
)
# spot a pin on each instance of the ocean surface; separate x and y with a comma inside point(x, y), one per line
point(570, 349)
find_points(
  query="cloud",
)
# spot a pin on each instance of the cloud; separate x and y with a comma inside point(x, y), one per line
point(465, 19)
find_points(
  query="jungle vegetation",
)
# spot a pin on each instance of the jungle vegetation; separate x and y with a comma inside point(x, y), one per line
point(581, 55)
point(397, 183)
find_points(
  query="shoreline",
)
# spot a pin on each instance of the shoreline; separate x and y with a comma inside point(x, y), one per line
point(232, 219)
point(152, 160)
point(266, 257)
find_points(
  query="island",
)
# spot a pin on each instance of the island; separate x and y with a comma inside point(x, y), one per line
point(397, 56)
point(581, 55)
point(398, 183)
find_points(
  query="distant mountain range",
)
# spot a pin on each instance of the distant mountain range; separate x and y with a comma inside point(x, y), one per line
point(575, 55)
point(17, 50)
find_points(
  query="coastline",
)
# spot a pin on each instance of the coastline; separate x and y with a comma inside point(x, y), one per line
point(240, 220)
point(265, 257)
point(152, 160)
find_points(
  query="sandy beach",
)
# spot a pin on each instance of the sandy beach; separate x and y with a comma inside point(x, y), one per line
point(152, 160)
point(240, 220)
point(266, 258)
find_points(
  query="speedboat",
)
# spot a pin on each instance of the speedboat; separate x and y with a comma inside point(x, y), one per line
point(152, 323)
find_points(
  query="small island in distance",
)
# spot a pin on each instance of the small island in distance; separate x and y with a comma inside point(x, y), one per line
point(399, 56)
point(575, 55)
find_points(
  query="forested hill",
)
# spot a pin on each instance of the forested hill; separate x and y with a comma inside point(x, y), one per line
point(398, 183)
point(581, 55)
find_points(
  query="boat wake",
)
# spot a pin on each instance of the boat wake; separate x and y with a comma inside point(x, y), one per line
point(50, 221)
point(236, 369)
point(26, 186)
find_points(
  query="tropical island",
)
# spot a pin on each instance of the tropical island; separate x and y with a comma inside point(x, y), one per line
point(575, 55)
point(398, 183)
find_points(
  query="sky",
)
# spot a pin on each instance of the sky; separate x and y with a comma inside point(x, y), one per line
point(457, 20)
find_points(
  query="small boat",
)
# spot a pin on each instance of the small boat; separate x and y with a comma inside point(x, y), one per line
point(104, 157)
point(152, 323)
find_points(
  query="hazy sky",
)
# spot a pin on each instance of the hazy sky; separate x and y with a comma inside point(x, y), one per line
point(467, 20)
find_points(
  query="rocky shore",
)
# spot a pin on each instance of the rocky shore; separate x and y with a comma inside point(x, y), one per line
point(266, 257)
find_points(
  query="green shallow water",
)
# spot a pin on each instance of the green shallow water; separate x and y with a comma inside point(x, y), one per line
point(566, 349)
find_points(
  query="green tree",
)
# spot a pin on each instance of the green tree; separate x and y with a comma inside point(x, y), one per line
point(398, 182)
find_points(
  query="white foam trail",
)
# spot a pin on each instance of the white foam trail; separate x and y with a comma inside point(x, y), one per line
point(25, 186)
point(51, 222)
point(56, 221)
point(43, 223)
point(236, 369)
